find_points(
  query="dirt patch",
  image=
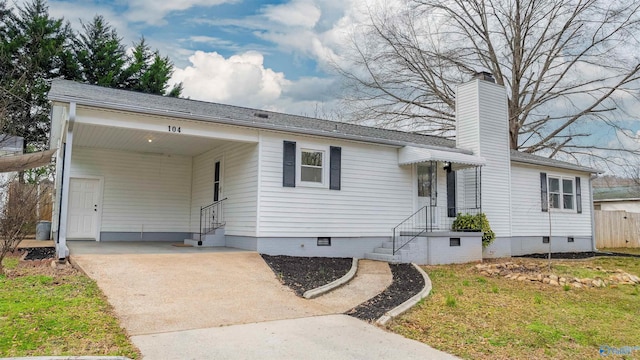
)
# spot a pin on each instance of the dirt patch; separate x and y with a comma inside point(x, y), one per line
point(407, 282)
point(306, 273)
point(38, 261)
point(576, 255)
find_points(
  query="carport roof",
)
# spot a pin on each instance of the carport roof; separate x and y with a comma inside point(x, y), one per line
point(117, 99)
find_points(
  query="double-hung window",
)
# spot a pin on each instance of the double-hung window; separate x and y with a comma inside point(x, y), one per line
point(312, 166)
point(561, 193)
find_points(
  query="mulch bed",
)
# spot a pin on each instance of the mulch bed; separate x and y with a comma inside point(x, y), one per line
point(306, 273)
point(407, 282)
point(39, 253)
point(576, 255)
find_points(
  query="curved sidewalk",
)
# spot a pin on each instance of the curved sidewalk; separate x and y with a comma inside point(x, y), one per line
point(371, 279)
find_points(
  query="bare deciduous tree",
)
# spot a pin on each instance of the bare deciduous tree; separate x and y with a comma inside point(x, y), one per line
point(569, 66)
point(18, 216)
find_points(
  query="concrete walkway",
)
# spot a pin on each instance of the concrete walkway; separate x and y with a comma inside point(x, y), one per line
point(370, 280)
point(190, 303)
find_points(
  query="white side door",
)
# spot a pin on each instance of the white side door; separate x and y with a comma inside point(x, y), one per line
point(84, 206)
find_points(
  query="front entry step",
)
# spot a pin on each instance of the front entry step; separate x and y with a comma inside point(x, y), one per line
point(385, 253)
point(215, 238)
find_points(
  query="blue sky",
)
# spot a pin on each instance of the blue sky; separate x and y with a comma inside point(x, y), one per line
point(273, 55)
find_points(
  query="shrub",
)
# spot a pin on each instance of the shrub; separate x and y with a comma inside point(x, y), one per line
point(477, 222)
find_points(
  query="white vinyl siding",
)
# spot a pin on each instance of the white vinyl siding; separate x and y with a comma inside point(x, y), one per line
point(527, 215)
point(482, 123)
point(142, 192)
point(375, 195)
point(239, 185)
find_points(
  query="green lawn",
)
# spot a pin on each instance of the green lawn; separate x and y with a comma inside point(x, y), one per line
point(477, 317)
point(47, 313)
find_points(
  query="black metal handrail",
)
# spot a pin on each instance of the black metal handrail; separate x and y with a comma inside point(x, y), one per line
point(426, 219)
point(211, 217)
point(409, 224)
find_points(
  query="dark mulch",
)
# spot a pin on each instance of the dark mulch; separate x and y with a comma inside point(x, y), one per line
point(306, 273)
point(576, 255)
point(39, 253)
point(407, 282)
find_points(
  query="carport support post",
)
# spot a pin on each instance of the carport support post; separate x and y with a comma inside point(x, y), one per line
point(61, 247)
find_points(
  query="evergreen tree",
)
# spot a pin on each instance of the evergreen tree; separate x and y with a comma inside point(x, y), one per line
point(99, 55)
point(31, 45)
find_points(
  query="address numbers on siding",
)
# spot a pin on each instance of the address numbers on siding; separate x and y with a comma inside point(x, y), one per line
point(174, 129)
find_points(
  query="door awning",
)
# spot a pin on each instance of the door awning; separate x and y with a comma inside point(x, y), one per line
point(25, 161)
point(411, 155)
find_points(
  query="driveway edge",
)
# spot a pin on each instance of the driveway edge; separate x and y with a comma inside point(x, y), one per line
point(398, 310)
point(313, 293)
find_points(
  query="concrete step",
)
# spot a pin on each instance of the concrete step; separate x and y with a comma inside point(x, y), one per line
point(389, 245)
point(393, 259)
point(383, 250)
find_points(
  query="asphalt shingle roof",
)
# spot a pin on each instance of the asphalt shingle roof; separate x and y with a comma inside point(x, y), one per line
point(117, 99)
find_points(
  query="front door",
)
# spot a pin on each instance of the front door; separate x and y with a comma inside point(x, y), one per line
point(84, 195)
point(426, 193)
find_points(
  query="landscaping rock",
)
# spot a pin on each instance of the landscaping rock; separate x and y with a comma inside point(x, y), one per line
point(535, 273)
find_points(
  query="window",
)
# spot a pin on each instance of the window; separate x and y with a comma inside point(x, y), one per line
point(454, 241)
point(561, 193)
point(311, 166)
point(545, 239)
point(424, 180)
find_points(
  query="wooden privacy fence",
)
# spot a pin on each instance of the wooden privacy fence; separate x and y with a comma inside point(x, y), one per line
point(617, 229)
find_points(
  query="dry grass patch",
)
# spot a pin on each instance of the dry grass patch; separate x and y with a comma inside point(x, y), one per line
point(635, 251)
point(478, 317)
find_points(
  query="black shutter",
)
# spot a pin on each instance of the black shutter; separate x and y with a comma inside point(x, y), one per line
point(289, 164)
point(578, 196)
point(451, 192)
point(335, 164)
point(544, 195)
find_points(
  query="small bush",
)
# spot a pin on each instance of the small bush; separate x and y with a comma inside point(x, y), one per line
point(477, 222)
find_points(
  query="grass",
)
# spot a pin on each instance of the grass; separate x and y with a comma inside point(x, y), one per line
point(505, 319)
point(46, 313)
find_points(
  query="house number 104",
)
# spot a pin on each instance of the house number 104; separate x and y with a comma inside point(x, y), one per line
point(175, 129)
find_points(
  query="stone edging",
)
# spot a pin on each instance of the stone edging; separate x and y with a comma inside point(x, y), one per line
point(310, 294)
point(398, 310)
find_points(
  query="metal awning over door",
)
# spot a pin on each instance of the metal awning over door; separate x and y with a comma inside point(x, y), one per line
point(412, 155)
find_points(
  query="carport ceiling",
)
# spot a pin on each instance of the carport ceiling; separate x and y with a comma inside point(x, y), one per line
point(138, 141)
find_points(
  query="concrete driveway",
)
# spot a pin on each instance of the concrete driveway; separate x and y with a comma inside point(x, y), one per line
point(188, 303)
point(156, 288)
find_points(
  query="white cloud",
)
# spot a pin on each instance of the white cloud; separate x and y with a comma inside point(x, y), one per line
point(153, 12)
point(241, 79)
point(298, 13)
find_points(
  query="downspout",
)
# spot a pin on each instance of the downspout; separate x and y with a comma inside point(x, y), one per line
point(61, 249)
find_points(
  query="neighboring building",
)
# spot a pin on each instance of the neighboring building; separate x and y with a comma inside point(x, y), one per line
point(138, 167)
point(617, 198)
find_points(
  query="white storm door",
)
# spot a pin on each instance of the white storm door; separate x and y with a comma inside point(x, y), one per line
point(84, 195)
point(426, 195)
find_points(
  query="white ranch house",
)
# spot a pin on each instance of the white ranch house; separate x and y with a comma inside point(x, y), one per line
point(140, 167)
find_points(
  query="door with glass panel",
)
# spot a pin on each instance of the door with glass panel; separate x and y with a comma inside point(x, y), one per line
point(426, 194)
